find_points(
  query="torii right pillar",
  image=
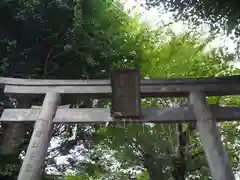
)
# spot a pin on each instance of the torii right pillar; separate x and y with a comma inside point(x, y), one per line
point(217, 158)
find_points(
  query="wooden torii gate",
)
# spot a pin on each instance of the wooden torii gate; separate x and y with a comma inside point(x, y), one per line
point(126, 89)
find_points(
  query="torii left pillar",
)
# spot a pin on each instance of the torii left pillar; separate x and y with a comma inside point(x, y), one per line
point(37, 149)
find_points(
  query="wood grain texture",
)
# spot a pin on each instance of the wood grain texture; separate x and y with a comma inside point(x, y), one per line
point(35, 157)
point(102, 115)
point(218, 160)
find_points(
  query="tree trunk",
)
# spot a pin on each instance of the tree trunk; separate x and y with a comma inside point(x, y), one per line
point(179, 171)
point(153, 167)
point(13, 136)
point(11, 140)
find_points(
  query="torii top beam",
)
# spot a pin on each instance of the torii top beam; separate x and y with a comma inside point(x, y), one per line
point(176, 87)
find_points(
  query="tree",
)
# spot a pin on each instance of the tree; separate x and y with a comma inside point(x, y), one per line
point(94, 36)
point(89, 38)
point(156, 147)
point(216, 11)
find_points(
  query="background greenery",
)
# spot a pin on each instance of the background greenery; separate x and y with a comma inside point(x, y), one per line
point(84, 39)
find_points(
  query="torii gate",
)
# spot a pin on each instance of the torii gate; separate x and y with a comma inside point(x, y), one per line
point(126, 89)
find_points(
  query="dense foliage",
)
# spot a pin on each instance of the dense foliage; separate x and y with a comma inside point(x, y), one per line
point(84, 39)
point(216, 11)
point(61, 39)
point(50, 38)
point(151, 148)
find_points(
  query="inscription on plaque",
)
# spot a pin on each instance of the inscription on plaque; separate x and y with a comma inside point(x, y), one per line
point(125, 85)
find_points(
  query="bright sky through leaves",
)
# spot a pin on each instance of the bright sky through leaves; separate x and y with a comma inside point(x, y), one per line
point(155, 19)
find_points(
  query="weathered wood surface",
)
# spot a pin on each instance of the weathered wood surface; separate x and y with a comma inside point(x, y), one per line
point(126, 99)
point(146, 90)
point(35, 157)
point(102, 115)
point(101, 88)
point(71, 82)
point(209, 134)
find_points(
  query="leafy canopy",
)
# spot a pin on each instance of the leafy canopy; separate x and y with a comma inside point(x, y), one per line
point(216, 11)
point(152, 149)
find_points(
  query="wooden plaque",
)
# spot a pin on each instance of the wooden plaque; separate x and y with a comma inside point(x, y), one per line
point(125, 85)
